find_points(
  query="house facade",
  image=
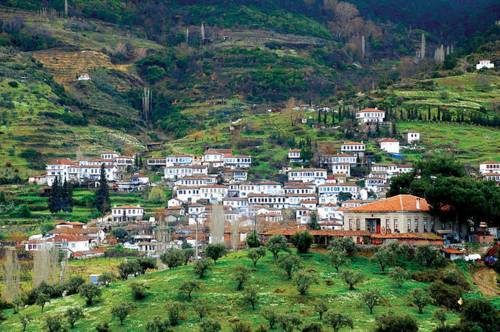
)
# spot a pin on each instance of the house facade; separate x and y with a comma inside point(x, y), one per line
point(370, 115)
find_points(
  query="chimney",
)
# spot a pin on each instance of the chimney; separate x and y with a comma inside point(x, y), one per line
point(418, 203)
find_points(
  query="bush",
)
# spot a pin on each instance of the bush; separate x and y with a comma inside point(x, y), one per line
point(253, 240)
point(54, 323)
point(73, 315)
point(138, 291)
point(174, 311)
point(90, 292)
point(158, 325)
point(351, 278)
point(241, 274)
point(210, 325)
point(482, 313)
point(201, 267)
point(255, 254)
point(391, 322)
point(73, 284)
point(121, 311)
point(425, 276)
point(276, 244)
point(215, 251)
point(188, 287)
point(290, 263)
point(303, 280)
point(241, 327)
point(445, 295)
point(303, 241)
point(345, 244)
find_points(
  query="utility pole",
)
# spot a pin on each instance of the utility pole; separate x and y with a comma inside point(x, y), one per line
point(196, 236)
point(66, 8)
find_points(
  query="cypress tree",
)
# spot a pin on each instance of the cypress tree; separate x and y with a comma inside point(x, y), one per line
point(66, 197)
point(101, 198)
point(55, 196)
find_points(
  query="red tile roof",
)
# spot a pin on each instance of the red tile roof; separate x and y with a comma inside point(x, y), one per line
point(368, 110)
point(399, 203)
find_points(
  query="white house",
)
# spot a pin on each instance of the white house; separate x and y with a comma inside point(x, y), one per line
point(195, 181)
point(110, 155)
point(370, 115)
point(294, 156)
point(240, 161)
point(485, 64)
point(263, 187)
point(179, 160)
point(412, 137)
point(213, 192)
point(389, 145)
point(157, 162)
point(335, 189)
point(60, 169)
point(492, 177)
point(127, 213)
point(489, 167)
point(235, 202)
point(70, 242)
point(343, 158)
point(177, 172)
point(187, 194)
point(299, 188)
point(215, 157)
point(353, 147)
point(344, 169)
point(310, 175)
point(273, 201)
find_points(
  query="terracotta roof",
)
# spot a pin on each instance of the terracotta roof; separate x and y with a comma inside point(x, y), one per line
point(353, 143)
point(399, 203)
point(62, 162)
point(452, 251)
point(320, 232)
point(388, 140)
point(308, 170)
point(490, 162)
point(128, 207)
point(409, 236)
point(368, 110)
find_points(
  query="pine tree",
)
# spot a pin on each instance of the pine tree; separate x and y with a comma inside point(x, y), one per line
point(101, 198)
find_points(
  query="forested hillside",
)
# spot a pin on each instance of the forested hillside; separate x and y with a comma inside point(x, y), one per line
point(207, 63)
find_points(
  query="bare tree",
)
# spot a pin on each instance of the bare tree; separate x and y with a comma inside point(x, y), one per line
point(45, 263)
point(12, 270)
point(217, 224)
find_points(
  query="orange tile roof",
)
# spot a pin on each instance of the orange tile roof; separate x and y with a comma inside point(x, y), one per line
point(367, 110)
point(399, 203)
point(453, 251)
point(408, 236)
point(388, 140)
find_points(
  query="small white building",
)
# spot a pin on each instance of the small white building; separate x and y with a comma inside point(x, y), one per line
point(344, 169)
point(370, 115)
point(294, 156)
point(178, 172)
point(127, 213)
point(309, 175)
point(235, 162)
point(179, 160)
point(489, 167)
point(485, 64)
point(353, 147)
point(412, 137)
point(389, 145)
point(84, 77)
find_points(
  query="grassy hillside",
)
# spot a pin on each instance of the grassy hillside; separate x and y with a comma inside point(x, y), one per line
point(225, 304)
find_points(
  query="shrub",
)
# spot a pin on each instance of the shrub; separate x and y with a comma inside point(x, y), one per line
point(138, 291)
point(321, 307)
point(241, 274)
point(391, 322)
point(90, 292)
point(215, 251)
point(73, 315)
point(276, 244)
point(255, 254)
point(174, 312)
point(351, 278)
point(188, 254)
point(425, 276)
point(313, 327)
point(241, 327)
point(430, 257)
point(271, 316)
point(384, 257)
point(399, 276)
point(129, 267)
point(303, 280)
point(420, 298)
point(54, 323)
point(103, 327)
point(445, 295)
point(290, 263)
point(338, 321)
point(372, 298)
point(455, 277)
point(289, 322)
point(253, 240)
point(345, 244)
point(201, 309)
point(73, 284)
point(158, 325)
point(121, 311)
point(338, 258)
point(482, 313)
point(188, 287)
point(303, 241)
point(250, 296)
point(173, 258)
point(201, 267)
point(210, 325)
point(106, 278)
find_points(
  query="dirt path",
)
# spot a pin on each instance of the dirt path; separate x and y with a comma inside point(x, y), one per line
point(486, 280)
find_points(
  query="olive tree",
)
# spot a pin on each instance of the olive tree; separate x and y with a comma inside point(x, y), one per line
point(276, 244)
point(215, 251)
point(240, 275)
point(188, 287)
point(303, 281)
point(290, 263)
point(250, 296)
point(338, 258)
point(121, 311)
point(255, 254)
point(372, 298)
point(399, 276)
point(90, 292)
point(337, 320)
point(420, 298)
point(173, 258)
point(352, 278)
point(321, 307)
point(201, 267)
point(73, 315)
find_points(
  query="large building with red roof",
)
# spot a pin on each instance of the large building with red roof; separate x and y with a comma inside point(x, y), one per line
point(397, 214)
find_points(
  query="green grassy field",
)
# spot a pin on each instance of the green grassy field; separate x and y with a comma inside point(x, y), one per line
point(469, 143)
point(218, 290)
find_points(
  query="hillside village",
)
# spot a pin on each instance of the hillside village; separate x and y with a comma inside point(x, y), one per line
point(277, 165)
point(327, 199)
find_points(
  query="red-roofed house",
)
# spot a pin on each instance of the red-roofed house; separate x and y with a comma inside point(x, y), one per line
point(397, 214)
point(369, 115)
point(389, 145)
